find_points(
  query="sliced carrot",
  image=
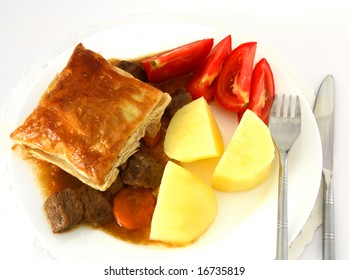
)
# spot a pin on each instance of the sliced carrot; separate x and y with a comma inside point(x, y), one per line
point(133, 207)
point(151, 142)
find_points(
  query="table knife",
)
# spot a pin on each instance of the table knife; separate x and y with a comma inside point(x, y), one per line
point(324, 114)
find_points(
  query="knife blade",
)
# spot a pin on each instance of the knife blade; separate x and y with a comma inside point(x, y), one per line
point(324, 114)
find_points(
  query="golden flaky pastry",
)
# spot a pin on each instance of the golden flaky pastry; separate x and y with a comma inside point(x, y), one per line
point(91, 118)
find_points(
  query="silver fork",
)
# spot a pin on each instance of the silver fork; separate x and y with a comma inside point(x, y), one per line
point(285, 127)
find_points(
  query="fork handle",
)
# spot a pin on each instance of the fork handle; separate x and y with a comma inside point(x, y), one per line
point(282, 219)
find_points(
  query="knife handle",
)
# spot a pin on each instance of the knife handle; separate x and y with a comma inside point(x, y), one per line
point(328, 232)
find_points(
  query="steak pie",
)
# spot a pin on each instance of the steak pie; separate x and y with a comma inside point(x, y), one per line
point(91, 118)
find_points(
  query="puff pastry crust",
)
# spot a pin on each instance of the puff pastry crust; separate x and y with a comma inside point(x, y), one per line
point(91, 118)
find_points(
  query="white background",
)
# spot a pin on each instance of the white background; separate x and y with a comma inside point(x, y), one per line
point(311, 37)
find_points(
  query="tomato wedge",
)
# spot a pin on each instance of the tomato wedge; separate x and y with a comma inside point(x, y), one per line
point(232, 89)
point(262, 92)
point(178, 61)
point(133, 207)
point(200, 84)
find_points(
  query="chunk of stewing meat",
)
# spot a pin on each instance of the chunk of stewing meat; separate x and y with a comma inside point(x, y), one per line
point(69, 207)
point(64, 209)
point(97, 209)
point(143, 170)
point(180, 98)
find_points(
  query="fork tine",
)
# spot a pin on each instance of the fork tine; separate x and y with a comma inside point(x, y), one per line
point(282, 106)
point(289, 110)
point(297, 112)
point(274, 106)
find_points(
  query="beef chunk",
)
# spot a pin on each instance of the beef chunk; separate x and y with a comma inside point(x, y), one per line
point(64, 209)
point(135, 69)
point(180, 98)
point(69, 207)
point(143, 170)
point(97, 209)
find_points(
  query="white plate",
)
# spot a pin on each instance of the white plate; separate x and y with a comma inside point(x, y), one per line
point(245, 226)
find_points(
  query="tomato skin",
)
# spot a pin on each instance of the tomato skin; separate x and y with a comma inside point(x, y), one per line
point(133, 207)
point(200, 84)
point(232, 90)
point(178, 61)
point(262, 90)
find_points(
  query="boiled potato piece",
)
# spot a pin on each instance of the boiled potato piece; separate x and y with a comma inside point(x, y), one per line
point(193, 133)
point(185, 207)
point(247, 159)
